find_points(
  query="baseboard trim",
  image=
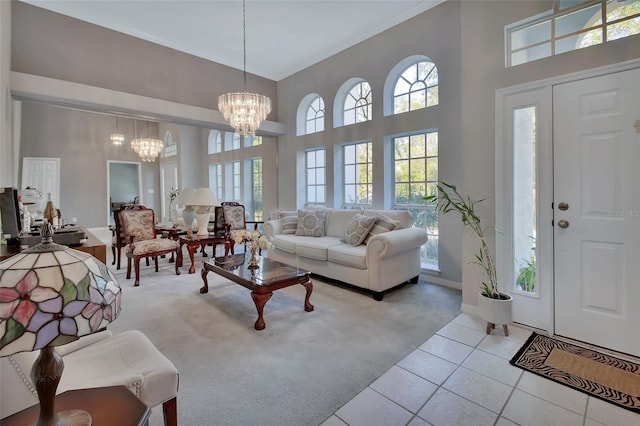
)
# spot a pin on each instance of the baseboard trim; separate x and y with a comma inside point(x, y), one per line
point(440, 281)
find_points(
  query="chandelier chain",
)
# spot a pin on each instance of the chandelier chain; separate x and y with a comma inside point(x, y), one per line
point(244, 42)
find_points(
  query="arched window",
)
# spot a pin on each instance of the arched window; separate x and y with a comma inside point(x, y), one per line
point(214, 143)
point(353, 103)
point(410, 85)
point(170, 149)
point(310, 115)
point(358, 104)
point(416, 87)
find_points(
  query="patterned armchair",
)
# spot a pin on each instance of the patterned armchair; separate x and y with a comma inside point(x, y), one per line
point(138, 228)
point(234, 219)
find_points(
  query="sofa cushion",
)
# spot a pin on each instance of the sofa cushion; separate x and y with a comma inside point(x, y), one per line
point(337, 221)
point(311, 223)
point(357, 229)
point(383, 224)
point(289, 224)
point(314, 247)
point(348, 255)
point(402, 216)
point(279, 214)
point(285, 242)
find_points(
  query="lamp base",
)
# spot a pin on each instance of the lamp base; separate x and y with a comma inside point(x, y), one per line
point(69, 418)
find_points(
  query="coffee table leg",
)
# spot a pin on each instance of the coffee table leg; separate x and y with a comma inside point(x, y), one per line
point(260, 300)
point(205, 287)
point(308, 307)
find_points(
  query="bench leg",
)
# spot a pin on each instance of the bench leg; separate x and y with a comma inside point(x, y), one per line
point(170, 411)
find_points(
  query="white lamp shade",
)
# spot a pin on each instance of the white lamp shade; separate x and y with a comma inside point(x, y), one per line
point(184, 195)
point(201, 197)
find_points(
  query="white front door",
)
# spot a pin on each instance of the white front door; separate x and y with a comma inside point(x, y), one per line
point(597, 210)
point(42, 174)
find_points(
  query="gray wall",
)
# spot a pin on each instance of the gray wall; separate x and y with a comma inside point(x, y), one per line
point(435, 34)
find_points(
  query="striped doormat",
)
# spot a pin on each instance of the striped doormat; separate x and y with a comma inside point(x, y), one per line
point(597, 374)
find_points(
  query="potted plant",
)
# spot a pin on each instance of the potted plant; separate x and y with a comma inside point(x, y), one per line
point(494, 306)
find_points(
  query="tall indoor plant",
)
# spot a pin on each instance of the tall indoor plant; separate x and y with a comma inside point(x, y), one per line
point(494, 306)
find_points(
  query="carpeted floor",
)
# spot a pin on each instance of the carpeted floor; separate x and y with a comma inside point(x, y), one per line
point(595, 373)
point(300, 369)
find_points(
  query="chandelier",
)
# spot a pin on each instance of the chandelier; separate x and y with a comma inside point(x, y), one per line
point(147, 148)
point(243, 110)
point(117, 138)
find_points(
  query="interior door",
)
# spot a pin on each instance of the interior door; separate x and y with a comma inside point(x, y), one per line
point(597, 210)
point(42, 174)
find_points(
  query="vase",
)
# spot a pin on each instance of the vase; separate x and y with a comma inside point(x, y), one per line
point(495, 311)
point(253, 260)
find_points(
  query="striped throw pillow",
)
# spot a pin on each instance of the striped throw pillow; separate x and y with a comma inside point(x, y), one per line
point(383, 224)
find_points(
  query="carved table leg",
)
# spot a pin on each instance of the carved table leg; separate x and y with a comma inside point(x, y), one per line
point(179, 258)
point(176, 264)
point(260, 300)
point(191, 250)
point(205, 287)
point(307, 305)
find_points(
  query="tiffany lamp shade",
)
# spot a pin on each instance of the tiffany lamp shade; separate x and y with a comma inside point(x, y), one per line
point(51, 295)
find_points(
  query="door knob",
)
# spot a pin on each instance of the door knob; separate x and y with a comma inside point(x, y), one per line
point(563, 223)
point(563, 206)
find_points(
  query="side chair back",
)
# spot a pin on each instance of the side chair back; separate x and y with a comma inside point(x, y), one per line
point(138, 225)
point(234, 219)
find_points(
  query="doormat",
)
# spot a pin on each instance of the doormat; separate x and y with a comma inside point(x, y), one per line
point(600, 375)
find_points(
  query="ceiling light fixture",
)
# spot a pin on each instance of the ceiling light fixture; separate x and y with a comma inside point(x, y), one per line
point(147, 148)
point(243, 110)
point(117, 138)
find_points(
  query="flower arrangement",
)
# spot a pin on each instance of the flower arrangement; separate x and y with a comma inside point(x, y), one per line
point(173, 194)
point(254, 239)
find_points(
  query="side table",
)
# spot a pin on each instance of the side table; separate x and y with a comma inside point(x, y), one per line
point(196, 241)
point(108, 406)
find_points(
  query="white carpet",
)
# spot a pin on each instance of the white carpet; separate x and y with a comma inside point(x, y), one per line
point(300, 369)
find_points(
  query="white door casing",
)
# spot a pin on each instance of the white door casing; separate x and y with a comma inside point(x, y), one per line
point(43, 174)
point(168, 180)
point(596, 173)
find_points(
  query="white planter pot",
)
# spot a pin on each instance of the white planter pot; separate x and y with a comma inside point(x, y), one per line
point(495, 311)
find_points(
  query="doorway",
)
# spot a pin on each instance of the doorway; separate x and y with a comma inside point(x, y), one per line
point(124, 185)
point(577, 134)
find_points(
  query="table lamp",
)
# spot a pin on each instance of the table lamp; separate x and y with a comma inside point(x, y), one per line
point(51, 295)
point(188, 213)
point(202, 199)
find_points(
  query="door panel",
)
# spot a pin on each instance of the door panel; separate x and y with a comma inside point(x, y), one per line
point(44, 175)
point(596, 152)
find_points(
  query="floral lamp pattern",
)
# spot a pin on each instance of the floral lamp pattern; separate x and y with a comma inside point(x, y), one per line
point(52, 298)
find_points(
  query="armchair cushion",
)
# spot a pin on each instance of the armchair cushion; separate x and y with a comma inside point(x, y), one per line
point(151, 246)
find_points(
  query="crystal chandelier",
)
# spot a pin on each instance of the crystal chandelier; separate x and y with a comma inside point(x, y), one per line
point(117, 138)
point(243, 110)
point(147, 148)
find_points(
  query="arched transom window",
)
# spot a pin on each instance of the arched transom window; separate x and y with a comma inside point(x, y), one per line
point(358, 104)
point(416, 87)
point(314, 119)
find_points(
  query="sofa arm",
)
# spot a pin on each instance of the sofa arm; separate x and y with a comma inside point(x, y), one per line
point(272, 228)
point(391, 243)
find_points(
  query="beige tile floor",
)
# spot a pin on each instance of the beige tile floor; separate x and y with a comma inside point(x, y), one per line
point(462, 376)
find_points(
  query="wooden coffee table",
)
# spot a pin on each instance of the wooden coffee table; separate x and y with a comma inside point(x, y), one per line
point(262, 282)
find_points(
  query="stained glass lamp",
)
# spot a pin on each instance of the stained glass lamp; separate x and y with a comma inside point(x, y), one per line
point(51, 295)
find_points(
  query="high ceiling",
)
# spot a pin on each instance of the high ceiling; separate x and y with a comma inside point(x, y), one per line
point(282, 36)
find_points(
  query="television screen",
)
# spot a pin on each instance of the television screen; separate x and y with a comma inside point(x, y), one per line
point(10, 212)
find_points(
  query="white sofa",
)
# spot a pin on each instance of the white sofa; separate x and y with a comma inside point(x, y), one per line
point(387, 260)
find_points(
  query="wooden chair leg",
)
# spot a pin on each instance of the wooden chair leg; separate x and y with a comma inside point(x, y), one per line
point(156, 259)
point(119, 254)
point(113, 252)
point(137, 269)
point(128, 267)
point(505, 329)
point(170, 411)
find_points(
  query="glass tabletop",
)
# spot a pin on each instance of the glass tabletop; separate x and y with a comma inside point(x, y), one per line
point(268, 272)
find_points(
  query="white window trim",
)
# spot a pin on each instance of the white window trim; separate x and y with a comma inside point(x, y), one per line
point(392, 78)
point(341, 96)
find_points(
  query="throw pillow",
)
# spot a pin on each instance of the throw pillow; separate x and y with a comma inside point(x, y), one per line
point(357, 230)
point(383, 224)
point(289, 225)
point(311, 223)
